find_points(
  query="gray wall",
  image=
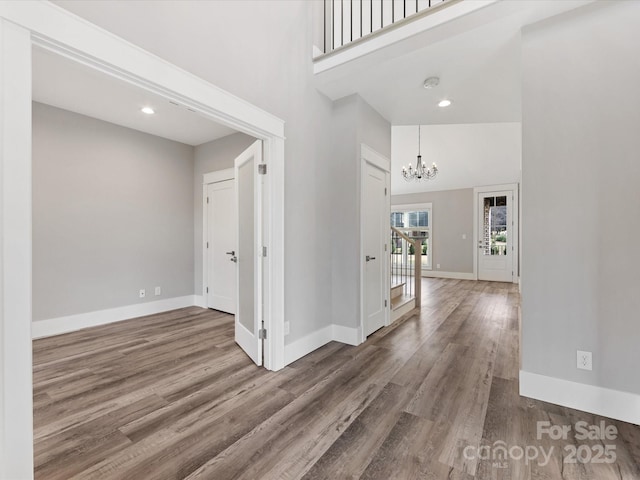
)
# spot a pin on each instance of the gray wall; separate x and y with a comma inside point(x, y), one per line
point(355, 122)
point(581, 262)
point(452, 217)
point(112, 213)
point(210, 157)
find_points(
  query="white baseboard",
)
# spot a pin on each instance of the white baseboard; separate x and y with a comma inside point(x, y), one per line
point(315, 340)
point(307, 344)
point(200, 301)
point(610, 403)
point(454, 275)
point(56, 326)
point(348, 335)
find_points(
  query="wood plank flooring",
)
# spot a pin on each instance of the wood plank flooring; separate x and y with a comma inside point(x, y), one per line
point(434, 396)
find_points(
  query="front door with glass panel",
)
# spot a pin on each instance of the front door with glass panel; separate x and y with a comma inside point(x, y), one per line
point(495, 236)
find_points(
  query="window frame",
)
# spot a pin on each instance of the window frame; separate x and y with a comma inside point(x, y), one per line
point(419, 207)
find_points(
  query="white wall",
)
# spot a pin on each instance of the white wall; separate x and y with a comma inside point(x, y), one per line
point(581, 261)
point(210, 157)
point(112, 214)
point(468, 155)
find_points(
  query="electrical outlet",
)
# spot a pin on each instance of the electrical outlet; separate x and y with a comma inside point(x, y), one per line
point(584, 360)
point(287, 328)
point(158, 291)
point(142, 293)
point(464, 236)
point(438, 265)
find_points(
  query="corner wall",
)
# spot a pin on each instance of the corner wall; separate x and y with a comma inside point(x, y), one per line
point(581, 262)
point(355, 122)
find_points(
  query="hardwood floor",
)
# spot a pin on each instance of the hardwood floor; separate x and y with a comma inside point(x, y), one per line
point(171, 396)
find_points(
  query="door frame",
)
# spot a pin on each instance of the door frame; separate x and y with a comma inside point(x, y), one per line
point(207, 179)
point(507, 187)
point(369, 155)
point(23, 25)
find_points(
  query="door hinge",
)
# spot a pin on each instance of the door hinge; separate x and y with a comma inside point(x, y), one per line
point(207, 289)
point(264, 251)
point(207, 244)
point(262, 169)
point(385, 190)
point(385, 247)
point(207, 199)
point(385, 303)
point(262, 334)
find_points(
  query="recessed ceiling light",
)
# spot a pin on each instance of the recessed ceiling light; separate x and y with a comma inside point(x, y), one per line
point(431, 82)
point(148, 110)
point(444, 103)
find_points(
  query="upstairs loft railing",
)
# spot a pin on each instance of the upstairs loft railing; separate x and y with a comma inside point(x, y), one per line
point(348, 21)
point(405, 270)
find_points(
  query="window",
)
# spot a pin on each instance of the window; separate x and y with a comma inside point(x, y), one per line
point(414, 221)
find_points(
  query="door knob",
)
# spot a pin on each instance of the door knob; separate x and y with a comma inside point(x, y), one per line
point(368, 258)
point(232, 253)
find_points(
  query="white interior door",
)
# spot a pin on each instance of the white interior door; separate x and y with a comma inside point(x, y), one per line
point(375, 229)
point(496, 234)
point(222, 220)
point(248, 322)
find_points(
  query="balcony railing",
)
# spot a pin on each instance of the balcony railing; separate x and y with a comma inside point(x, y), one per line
point(348, 21)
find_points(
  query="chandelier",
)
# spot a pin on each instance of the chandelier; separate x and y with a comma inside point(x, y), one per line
point(421, 172)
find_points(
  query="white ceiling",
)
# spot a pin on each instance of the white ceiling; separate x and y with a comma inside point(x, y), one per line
point(467, 155)
point(64, 83)
point(477, 58)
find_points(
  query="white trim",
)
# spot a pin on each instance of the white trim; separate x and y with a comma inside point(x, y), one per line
point(218, 176)
point(71, 323)
point(313, 341)
point(16, 410)
point(307, 344)
point(602, 401)
point(369, 155)
point(273, 266)
point(374, 158)
point(207, 179)
point(515, 212)
point(348, 335)
point(454, 275)
point(200, 301)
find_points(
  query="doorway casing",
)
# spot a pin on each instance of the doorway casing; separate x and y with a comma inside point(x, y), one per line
point(513, 189)
point(369, 155)
point(22, 25)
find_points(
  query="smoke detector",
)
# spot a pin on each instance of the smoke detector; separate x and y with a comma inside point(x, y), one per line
point(431, 82)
